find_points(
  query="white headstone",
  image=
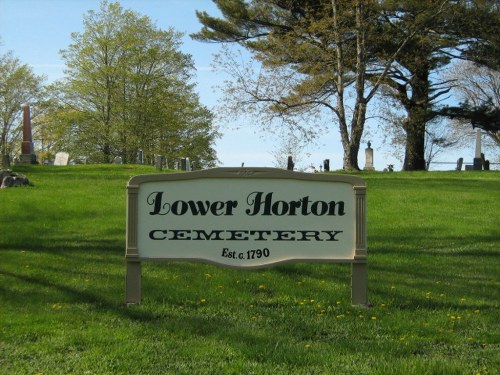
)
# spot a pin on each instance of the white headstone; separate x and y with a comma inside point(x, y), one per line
point(62, 158)
point(369, 158)
point(117, 160)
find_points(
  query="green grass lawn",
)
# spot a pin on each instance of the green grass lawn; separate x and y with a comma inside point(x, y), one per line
point(434, 269)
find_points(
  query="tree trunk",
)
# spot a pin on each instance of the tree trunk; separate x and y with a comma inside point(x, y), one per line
point(415, 145)
point(350, 162)
point(418, 115)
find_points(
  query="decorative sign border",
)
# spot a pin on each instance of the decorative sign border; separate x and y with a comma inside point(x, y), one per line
point(148, 208)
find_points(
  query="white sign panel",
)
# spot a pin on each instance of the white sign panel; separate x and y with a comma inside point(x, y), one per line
point(248, 221)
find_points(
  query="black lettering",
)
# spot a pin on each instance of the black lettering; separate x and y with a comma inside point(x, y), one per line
point(176, 210)
point(238, 235)
point(293, 206)
point(338, 205)
point(207, 236)
point(155, 199)
point(229, 207)
point(284, 235)
point(332, 234)
point(280, 211)
point(260, 233)
point(254, 199)
point(153, 235)
point(305, 205)
point(216, 207)
point(306, 234)
point(319, 211)
point(180, 234)
point(199, 207)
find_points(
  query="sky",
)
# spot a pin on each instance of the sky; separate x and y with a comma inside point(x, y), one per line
point(36, 30)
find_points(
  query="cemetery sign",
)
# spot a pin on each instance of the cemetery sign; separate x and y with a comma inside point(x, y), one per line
point(246, 218)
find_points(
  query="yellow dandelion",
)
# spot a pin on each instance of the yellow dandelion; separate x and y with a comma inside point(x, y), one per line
point(203, 300)
point(307, 345)
point(262, 286)
point(373, 318)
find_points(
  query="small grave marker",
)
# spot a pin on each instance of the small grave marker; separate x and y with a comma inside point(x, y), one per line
point(61, 159)
point(369, 158)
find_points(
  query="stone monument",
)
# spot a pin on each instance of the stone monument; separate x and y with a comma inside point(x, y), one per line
point(369, 158)
point(326, 165)
point(27, 155)
point(159, 162)
point(478, 160)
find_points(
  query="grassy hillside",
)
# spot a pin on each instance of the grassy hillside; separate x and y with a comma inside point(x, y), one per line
point(434, 252)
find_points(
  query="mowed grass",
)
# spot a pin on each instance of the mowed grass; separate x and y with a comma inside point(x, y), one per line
point(434, 252)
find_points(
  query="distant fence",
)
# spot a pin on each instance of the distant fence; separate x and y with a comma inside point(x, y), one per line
point(493, 166)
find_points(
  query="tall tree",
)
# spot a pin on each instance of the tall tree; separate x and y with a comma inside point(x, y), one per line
point(18, 86)
point(315, 55)
point(451, 31)
point(125, 77)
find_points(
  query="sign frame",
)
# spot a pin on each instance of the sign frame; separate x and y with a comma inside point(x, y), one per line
point(359, 277)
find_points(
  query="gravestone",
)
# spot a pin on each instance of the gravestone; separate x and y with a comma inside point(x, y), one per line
point(185, 165)
point(326, 165)
point(118, 160)
point(478, 160)
point(159, 162)
point(61, 159)
point(140, 157)
point(460, 162)
point(27, 155)
point(369, 158)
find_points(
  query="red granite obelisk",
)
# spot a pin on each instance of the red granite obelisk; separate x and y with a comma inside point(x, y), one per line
point(27, 155)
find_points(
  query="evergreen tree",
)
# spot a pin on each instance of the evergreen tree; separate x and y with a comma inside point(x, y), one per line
point(315, 55)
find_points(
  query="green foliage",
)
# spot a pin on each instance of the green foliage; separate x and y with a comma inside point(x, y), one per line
point(129, 84)
point(18, 86)
point(443, 31)
point(325, 51)
point(433, 282)
point(314, 57)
